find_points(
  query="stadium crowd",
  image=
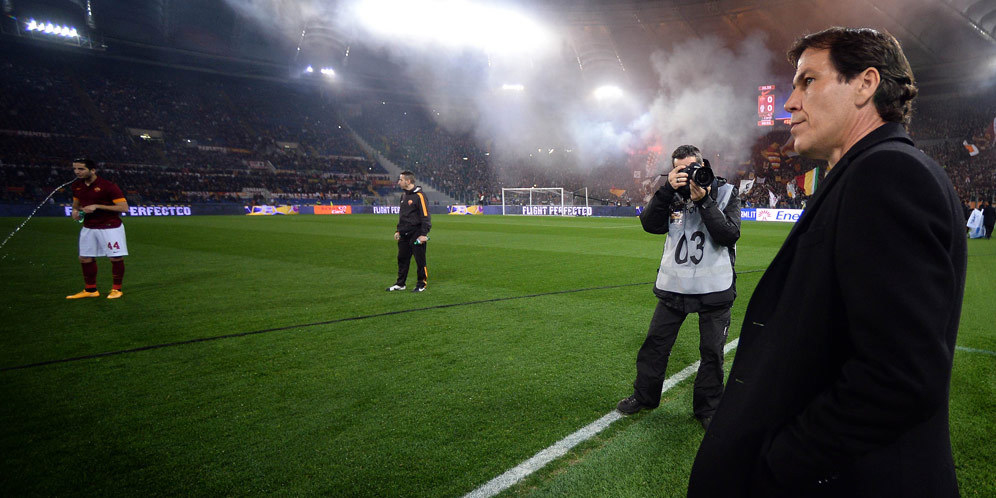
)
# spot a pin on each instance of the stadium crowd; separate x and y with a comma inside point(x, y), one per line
point(175, 136)
point(169, 136)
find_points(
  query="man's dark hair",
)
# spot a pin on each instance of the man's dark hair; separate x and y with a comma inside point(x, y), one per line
point(852, 50)
point(408, 175)
point(88, 163)
point(686, 151)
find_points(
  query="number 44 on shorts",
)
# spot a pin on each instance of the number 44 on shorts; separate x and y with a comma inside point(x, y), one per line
point(113, 246)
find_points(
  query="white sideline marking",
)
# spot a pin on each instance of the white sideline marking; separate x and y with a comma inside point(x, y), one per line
point(560, 448)
point(973, 350)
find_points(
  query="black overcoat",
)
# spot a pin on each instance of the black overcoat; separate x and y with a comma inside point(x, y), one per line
point(840, 383)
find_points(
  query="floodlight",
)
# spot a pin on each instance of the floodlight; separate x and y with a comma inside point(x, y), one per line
point(32, 25)
point(309, 69)
point(74, 33)
point(513, 87)
point(608, 92)
point(49, 28)
point(328, 71)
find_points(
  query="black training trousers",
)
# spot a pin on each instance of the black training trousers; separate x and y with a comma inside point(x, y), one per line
point(651, 361)
point(406, 248)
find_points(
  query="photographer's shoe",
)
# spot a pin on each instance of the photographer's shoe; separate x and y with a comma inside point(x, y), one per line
point(631, 405)
point(419, 288)
point(395, 287)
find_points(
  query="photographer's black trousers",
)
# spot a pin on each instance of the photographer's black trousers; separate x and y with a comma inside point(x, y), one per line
point(651, 361)
point(406, 249)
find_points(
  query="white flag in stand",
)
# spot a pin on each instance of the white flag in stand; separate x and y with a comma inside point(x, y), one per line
point(746, 185)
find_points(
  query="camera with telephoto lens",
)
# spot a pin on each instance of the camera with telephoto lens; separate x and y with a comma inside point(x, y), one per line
point(702, 175)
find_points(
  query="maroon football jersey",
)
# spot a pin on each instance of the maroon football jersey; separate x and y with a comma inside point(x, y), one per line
point(101, 191)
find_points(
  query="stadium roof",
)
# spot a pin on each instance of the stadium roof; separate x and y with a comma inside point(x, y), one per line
point(944, 39)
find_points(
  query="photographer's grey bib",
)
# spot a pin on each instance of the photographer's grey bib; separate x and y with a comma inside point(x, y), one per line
point(692, 263)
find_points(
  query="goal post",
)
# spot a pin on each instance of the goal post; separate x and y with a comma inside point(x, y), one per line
point(579, 196)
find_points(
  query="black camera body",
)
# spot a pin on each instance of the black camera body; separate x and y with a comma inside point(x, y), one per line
point(701, 174)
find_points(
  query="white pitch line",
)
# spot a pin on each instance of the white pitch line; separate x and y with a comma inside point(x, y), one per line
point(973, 350)
point(560, 448)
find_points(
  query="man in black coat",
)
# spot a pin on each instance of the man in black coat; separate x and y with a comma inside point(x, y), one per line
point(840, 383)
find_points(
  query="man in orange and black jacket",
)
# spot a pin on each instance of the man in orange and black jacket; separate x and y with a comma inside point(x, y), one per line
point(412, 234)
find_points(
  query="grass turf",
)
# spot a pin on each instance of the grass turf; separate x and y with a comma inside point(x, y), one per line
point(432, 402)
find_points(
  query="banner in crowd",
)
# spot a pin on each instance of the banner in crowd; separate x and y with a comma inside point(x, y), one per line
point(271, 210)
point(972, 149)
point(466, 210)
point(213, 148)
point(772, 199)
point(24, 133)
point(333, 209)
point(809, 181)
point(782, 215)
point(148, 211)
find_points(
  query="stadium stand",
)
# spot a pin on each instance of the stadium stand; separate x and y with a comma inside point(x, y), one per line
point(175, 136)
point(168, 135)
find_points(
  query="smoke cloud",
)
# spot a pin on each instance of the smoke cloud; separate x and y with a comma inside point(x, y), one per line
point(707, 97)
point(706, 91)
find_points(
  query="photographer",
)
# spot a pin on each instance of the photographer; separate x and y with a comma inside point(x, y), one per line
point(695, 276)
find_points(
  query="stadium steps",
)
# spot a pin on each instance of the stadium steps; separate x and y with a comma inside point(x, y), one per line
point(393, 169)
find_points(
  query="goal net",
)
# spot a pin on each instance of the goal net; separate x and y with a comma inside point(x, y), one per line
point(530, 200)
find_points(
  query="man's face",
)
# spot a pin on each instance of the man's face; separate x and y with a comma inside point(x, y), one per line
point(81, 171)
point(823, 107)
point(403, 183)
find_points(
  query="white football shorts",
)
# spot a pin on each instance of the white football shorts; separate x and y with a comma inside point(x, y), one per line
point(109, 242)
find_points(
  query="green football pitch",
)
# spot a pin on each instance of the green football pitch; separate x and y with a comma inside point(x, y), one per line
point(261, 355)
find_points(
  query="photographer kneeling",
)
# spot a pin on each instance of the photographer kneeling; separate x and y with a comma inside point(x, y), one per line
point(701, 215)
